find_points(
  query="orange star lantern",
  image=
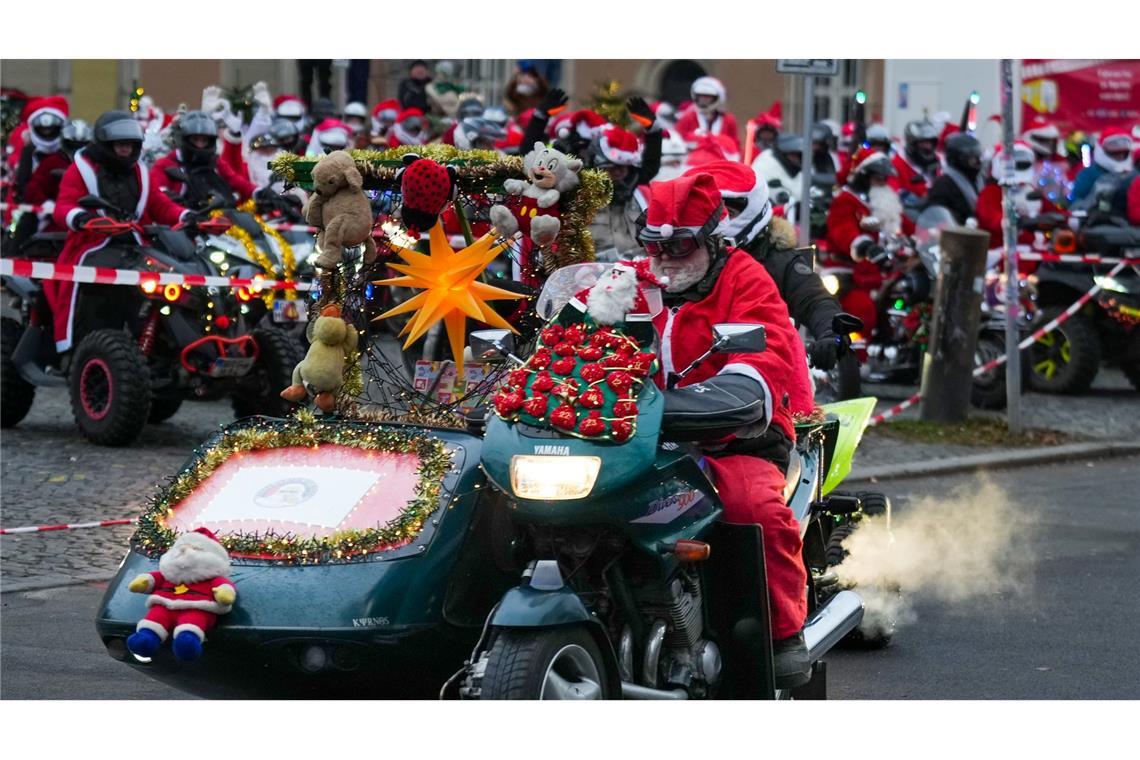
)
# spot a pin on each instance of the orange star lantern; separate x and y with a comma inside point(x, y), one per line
point(450, 291)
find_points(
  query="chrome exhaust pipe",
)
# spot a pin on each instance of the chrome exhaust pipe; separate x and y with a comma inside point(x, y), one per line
point(633, 691)
point(832, 622)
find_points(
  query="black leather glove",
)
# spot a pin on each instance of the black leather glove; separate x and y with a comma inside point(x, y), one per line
point(554, 102)
point(640, 111)
point(825, 352)
point(81, 219)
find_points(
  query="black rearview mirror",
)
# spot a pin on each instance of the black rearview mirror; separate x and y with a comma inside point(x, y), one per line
point(735, 338)
point(491, 345)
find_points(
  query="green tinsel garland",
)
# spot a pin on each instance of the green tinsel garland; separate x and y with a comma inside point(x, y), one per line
point(478, 171)
point(153, 537)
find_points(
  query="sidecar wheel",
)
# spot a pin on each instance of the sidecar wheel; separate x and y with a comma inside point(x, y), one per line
point(559, 663)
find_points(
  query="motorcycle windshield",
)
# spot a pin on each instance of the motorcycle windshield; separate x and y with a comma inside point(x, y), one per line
point(928, 232)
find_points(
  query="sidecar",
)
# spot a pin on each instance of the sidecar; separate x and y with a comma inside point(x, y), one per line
point(394, 621)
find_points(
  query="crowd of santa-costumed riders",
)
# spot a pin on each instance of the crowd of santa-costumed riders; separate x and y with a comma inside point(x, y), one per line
point(688, 194)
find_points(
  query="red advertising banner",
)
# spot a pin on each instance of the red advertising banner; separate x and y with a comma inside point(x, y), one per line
point(1089, 95)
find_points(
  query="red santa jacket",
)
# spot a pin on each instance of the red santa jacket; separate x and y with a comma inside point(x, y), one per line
point(743, 292)
point(909, 178)
point(187, 596)
point(843, 231)
point(162, 181)
point(232, 158)
point(991, 212)
point(692, 124)
point(43, 185)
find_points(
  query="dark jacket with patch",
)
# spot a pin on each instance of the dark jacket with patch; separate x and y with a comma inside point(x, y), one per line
point(808, 301)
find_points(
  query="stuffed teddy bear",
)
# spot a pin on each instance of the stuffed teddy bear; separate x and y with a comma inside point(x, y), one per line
point(532, 205)
point(186, 596)
point(321, 372)
point(339, 208)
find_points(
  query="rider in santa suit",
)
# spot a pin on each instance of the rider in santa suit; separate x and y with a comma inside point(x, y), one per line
point(707, 115)
point(40, 164)
point(708, 283)
point(991, 211)
point(917, 164)
point(410, 129)
point(110, 169)
point(197, 159)
point(864, 206)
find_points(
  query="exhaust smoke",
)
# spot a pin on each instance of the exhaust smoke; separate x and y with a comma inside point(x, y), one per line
point(965, 546)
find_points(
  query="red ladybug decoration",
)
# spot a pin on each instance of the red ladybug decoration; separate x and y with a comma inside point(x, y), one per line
point(564, 417)
point(592, 373)
point(425, 187)
point(620, 382)
point(565, 365)
point(536, 405)
point(551, 336)
point(541, 359)
point(590, 353)
point(543, 382)
point(625, 408)
point(564, 349)
point(507, 404)
point(621, 430)
point(593, 398)
point(593, 425)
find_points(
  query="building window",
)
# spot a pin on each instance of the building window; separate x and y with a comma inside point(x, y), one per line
point(835, 96)
point(677, 78)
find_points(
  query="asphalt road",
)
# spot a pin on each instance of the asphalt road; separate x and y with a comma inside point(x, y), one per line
point(1065, 630)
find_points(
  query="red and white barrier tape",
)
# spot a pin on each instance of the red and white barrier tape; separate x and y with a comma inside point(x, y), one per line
point(1024, 344)
point(26, 207)
point(42, 270)
point(65, 526)
point(1076, 258)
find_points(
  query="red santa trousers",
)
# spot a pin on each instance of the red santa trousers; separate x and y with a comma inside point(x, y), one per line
point(752, 490)
point(176, 621)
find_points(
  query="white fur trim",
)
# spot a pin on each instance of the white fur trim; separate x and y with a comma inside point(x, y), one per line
point(188, 604)
point(144, 191)
point(202, 541)
point(618, 156)
point(740, 368)
point(71, 216)
point(856, 243)
point(63, 345)
point(150, 625)
point(189, 627)
point(87, 172)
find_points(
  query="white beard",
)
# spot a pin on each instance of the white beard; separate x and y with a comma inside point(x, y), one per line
point(683, 273)
point(181, 564)
point(259, 171)
point(885, 205)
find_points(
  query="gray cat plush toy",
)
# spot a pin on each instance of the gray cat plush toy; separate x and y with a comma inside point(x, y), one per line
point(532, 204)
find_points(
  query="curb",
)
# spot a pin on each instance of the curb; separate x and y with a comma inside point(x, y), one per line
point(995, 460)
point(54, 580)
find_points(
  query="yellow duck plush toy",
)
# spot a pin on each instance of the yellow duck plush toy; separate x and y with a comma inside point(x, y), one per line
point(321, 372)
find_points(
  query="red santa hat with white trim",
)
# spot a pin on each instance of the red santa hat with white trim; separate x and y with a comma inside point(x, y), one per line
point(588, 124)
point(330, 134)
point(55, 105)
point(289, 106)
point(620, 146)
point(737, 181)
point(868, 159)
point(204, 539)
point(688, 206)
point(710, 148)
point(1114, 139)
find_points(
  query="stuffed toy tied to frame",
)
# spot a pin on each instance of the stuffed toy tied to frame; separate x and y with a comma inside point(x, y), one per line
point(339, 208)
point(532, 205)
point(185, 596)
point(321, 372)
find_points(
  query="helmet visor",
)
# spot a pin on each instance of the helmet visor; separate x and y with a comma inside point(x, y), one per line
point(124, 129)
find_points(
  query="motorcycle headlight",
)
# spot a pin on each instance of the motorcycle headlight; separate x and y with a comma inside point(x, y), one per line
point(1113, 284)
point(831, 282)
point(546, 478)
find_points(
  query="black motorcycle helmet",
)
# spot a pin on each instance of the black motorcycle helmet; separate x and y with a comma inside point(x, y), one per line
point(821, 136)
point(921, 139)
point(789, 151)
point(115, 127)
point(878, 138)
point(964, 153)
point(197, 138)
point(282, 133)
point(477, 133)
point(469, 107)
point(323, 108)
point(76, 135)
point(876, 166)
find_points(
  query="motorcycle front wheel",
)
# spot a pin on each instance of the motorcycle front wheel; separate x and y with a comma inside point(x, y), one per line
point(558, 663)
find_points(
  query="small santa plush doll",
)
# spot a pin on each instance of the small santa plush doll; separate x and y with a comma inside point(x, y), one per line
point(619, 295)
point(187, 594)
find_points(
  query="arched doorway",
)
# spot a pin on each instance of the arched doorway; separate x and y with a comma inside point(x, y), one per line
point(676, 78)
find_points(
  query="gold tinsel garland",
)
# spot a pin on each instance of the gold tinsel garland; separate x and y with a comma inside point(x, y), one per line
point(288, 261)
point(153, 536)
point(258, 256)
point(477, 171)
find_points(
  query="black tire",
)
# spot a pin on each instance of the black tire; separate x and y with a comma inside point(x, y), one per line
point(1076, 338)
point(110, 388)
point(260, 390)
point(16, 393)
point(874, 504)
point(843, 381)
point(162, 409)
point(518, 662)
point(1132, 372)
point(988, 390)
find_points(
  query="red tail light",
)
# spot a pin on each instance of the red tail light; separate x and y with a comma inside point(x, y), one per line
point(216, 226)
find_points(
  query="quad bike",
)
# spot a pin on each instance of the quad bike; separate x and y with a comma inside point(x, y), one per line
point(139, 352)
point(549, 567)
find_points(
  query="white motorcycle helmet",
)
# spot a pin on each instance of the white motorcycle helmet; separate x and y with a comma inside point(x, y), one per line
point(1023, 158)
point(356, 116)
point(707, 94)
